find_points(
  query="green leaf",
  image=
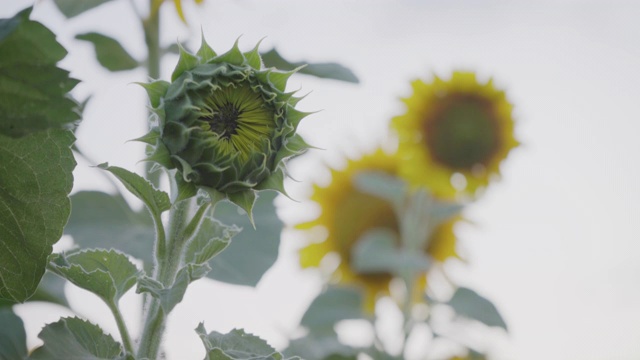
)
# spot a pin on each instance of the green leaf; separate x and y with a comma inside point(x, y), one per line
point(333, 305)
point(253, 251)
point(33, 91)
point(334, 71)
point(382, 185)
point(73, 338)
point(211, 239)
point(99, 218)
point(157, 201)
point(110, 54)
point(469, 304)
point(13, 338)
point(172, 296)
point(35, 180)
point(236, 345)
point(106, 273)
point(71, 8)
point(376, 252)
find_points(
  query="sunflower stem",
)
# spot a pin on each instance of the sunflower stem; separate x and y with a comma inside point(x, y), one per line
point(151, 28)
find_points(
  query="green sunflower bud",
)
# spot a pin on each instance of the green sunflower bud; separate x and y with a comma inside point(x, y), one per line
point(225, 123)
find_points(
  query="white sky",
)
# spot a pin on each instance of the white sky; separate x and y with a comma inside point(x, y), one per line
point(555, 244)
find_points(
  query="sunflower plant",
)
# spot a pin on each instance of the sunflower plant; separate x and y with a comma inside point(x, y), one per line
point(220, 132)
point(389, 219)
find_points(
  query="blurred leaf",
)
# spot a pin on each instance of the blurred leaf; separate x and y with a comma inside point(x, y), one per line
point(253, 251)
point(376, 252)
point(383, 186)
point(13, 338)
point(71, 8)
point(109, 53)
point(236, 345)
point(157, 201)
point(321, 347)
point(333, 305)
point(33, 91)
point(106, 273)
point(469, 304)
point(73, 338)
point(99, 219)
point(35, 180)
point(334, 71)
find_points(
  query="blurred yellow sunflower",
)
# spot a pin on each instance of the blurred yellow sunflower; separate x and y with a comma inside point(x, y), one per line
point(453, 127)
point(347, 214)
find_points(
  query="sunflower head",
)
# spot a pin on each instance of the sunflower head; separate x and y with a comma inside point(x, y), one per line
point(348, 213)
point(225, 123)
point(460, 126)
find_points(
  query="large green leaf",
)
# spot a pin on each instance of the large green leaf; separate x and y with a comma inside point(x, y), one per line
point(109, 53)
point(35, 180)
point(236, 345)
point(33, 91)
point(99, 219)
point(334, 71)
point(50, 289)
point(13, 338)
point(469, 304)
point(73, 338)
point(71, 8)
point(106, 273)
point(253, 251)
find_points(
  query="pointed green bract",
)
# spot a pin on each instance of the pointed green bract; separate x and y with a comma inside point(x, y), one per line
point(226, 124)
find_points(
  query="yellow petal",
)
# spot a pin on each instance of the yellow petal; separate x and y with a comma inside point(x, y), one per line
point(178, 4)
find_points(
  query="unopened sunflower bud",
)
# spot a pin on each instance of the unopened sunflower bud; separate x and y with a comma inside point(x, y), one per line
point(225, 123)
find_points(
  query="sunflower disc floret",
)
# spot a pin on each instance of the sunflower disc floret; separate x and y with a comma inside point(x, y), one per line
point(225, 123)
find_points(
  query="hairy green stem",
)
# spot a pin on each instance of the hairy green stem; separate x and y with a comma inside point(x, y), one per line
point(122, 327)
point(182, 225)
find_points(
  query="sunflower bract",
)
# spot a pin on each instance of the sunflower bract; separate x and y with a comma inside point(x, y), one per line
point(225, 123)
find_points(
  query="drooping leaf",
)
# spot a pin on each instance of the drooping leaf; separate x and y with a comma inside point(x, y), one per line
point(13, 338)
point(331, 70)
point(99, 218)
point(73, 338)
point(35, 181)
point(172, 296)
point(109, 52)
point(157, 201)
point(71, 8)
point(333, 305)
point(469, 304)
point(211, 239)
point(376, 252)
point(106, 273)
point(236, 345)
point(33, 91)
point(253, 251)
